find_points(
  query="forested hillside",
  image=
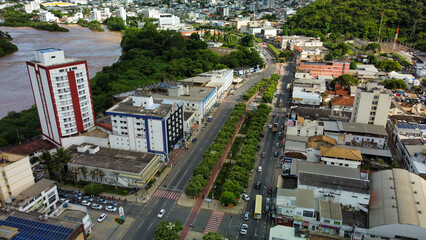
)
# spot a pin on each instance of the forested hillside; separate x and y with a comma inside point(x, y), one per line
point(346, 19)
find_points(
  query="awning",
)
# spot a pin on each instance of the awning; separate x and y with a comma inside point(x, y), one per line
point(305, 224)
point(326, 226)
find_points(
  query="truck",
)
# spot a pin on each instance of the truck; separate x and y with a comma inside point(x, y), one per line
point(275, 128)
point(210, 118)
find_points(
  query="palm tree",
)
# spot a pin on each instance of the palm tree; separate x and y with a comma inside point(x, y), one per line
point(60, 159)
point(93, 174)
point(83, 171)
point(101, 174)
point(74, 173)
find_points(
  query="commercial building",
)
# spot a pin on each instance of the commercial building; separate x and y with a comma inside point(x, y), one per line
point(168, 20)
point(16, 176)
point(308, 53)
point(62, 94)
point(40, 197)
point(367, 72)
point(340, 156)
point(303, 97)
point(142, 124)
point(397, 206)
point(288, 42)
point(114, 167)
point(333, 69)
point(371, 105)
point(20, 225)
point(74, 213)
point(220, 79)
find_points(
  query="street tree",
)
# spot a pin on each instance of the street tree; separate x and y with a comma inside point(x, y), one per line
point(213, 236)
point(228, 198)
point(167, 230)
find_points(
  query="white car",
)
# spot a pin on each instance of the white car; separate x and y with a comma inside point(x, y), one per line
point(63, 200)
point(243, 229)
point(111, 208)
point(97, 206)
point(259, 169)
point(245, 197)
point(102, 217)
point(85, 203)
point(161, 213)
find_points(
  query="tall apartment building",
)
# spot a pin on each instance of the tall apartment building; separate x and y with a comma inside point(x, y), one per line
point(142, 124)
point(62, 94)
point(16, 176)
point(371, 105)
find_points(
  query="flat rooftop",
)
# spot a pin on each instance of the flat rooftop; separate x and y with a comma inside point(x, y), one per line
point(96, 133)
point(334, 126)
point(8, 158)
point(328, 170)
point(126, 107)
point(38, 187)
point(72, 215)
point(113, 159)
point(33, 219)
point(196, 94)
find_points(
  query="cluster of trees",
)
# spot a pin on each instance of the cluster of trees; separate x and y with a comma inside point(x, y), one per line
point(6, 46)
point(337, 50)
point(243, 57)
point(353, 65)
point(16, 17)
point(168, 230)
point(20, 126)
point(93, 188)
point(115, 23)
point(345, 80)
point(388, 65)
point(213, 236)
point(202, 172)
point(276, 51)
point(374, 47)
point(239, 177)
point(255, 89)
point(57, 163)
point(361, 18)
point(92, 25)
point(394, 83)
point(400, 59)
point(270, 17)
point(268, 95)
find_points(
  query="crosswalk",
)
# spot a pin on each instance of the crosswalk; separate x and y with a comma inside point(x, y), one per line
point(214, 222)
point(167, 194)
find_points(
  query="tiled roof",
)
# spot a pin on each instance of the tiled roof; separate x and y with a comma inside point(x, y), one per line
point(297, 155)
point(31, 147)
point(105, 126)
point(339, 152)
point(343, 101)
point(312, 142)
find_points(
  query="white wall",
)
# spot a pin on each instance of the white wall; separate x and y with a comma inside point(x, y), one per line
point(391, 230)
point(155, 129)
point(77, 140)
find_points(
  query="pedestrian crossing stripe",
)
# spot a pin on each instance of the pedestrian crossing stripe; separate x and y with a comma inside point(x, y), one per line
point(214, 222)
point(167, 194)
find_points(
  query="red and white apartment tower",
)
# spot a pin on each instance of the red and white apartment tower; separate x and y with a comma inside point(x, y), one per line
point(62, 94)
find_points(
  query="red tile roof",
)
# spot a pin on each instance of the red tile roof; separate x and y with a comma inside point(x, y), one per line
point(104, 125)
point(343, 101)
point(30, 147)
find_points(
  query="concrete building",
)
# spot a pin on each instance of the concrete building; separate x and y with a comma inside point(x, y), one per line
point(223, 11)
point(95, 15)
point(151, 13)
point(308, 53)
point(75, 213)
point(16, 176)
point(32, 148)
point(367, 72)
point(40, 197)
point(143, 124)
point(371, 105)
point(166, 20)
point(220, 79)
point(397, 205)
point(303, 97)
point(62, 94)
point(340, 156)
point(114, 167)
point(288, 42)
point(46, 16)
point(121, 13)
point(333, 69)
point(330, 217)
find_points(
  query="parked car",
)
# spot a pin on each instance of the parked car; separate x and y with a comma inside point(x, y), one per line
point(85, 203)
point(268, 201)
point(267, 208)
point(38, 169)
point(258, 185)
point(259, 168)
point(97, 206)
point(102, 217)
point(194, 140)
point(245, 197)
point(64, 195)
point(270, 126)
point(88, 198)
point(263, 154)
point(113, 203)
point(111, 208)
point(246, 216)
point(39, 176)
point(262, 135)
point(243, 229)
point(78, 197)
point(275, 154)
point(77, 193)
point(269, 190)
point(161, 213)
point(258, 147)
point(101, 200)
point(63, 200)
point(203, 128)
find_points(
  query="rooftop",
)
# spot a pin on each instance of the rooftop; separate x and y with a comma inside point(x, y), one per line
point(30, 147)
point(96, 132)
point(7, 158)
point(305, 198)
point(330, 210)
point(196, 94)
point(343, 101)
point(72, 215)
point(126, 107)
point(347, 127)
point(340, 152)
point(40, 186)
point(113, 159)
point(328, 170)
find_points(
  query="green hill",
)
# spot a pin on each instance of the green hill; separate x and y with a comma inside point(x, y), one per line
point(346, 19)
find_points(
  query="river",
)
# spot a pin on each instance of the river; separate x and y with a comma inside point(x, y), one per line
point(98, 48)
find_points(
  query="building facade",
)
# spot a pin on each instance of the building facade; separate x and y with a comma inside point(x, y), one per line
point(334, 69)
point(62, 94)
point(371, 105)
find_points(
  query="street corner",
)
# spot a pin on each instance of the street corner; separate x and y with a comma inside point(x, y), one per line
point(110, 228)
point(186, 201)
point(194, 235)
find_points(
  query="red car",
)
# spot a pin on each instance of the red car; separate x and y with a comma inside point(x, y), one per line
point(269, 190)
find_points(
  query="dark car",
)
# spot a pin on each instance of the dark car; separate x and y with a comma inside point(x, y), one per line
point(194, 140)
point(275, 154)
point(269, 190)
point(258, 185)
point(258, 147)
point(262, 135)
point(263, 154)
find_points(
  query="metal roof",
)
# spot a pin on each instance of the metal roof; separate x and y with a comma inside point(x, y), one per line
point(330, 210)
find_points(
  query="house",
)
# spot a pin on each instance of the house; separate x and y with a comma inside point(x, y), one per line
point(340, 156)
point(366, 72)
point(342, 103)
point(32, 148)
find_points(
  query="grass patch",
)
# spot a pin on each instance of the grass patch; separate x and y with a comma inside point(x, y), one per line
point(235, 148)
point(220, 180)
point(108, 188)
point(119, 221)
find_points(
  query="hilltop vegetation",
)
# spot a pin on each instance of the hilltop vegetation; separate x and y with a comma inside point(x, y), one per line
point(361, 18)
point(6, 46)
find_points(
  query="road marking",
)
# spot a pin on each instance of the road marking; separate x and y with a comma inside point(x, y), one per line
point(214, 222)
point(167, 194)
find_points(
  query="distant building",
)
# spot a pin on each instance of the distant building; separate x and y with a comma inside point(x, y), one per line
point(220, 79)
point(62, 94)
point(32, 148)
point(95, 15)
point(333, 69)
point(16, 176)
point(121, 13)
point(46, 16)
point(371, 105)
point(397, 205)
point(144, 124)
point(223, 11)
point(166, 20)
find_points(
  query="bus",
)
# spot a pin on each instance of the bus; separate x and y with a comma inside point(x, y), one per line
point(258, 207)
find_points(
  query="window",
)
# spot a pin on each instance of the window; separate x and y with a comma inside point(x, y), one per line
point(326, 221)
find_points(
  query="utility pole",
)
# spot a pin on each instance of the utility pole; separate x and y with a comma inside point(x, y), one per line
point(414, 29)
point(380, 28)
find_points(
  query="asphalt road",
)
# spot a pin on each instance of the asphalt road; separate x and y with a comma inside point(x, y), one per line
point(146, 219)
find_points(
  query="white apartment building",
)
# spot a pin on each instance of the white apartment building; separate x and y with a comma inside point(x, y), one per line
point(290, 41)
point(142, 124)
point(62, 94)
point(151, 13)
point(95, 15)
point(221, 79)
point(166, 20)
point(16, 176)
point(46, 16)
point(371, 105)
point(40, 197)
point(302, 96)
point(32, 6)
point(121, 13)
